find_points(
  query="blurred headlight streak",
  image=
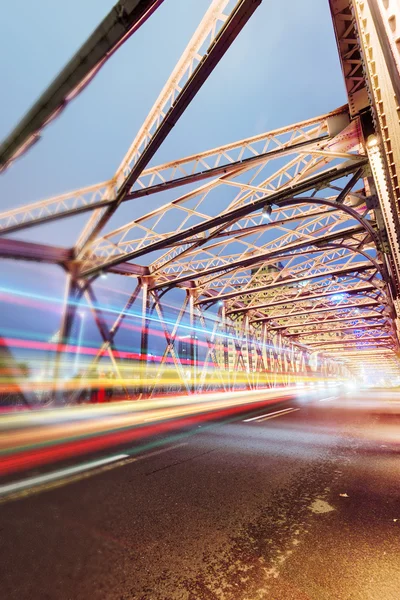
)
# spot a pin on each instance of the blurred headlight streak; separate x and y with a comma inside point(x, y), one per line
point(30, 439)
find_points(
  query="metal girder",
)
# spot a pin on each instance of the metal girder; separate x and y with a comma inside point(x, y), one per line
point(120, 23)
point(336, 330)
point(349, 186)
point(316, 260)
point(302, 298)
point(122, 244)
point(17, 249)
point(382, 352)
point(230, 216)
point(202, 253)
point(358, 344)
point(320, 294)
point(384, 18)
point(330, 309)
point(262, 258)
point(20, 250)
point(118, 242)
point(327, 321)
point(304, 137)
point(350, 54)
point(377, 26)
point(285, 282)
point(368, 33)
point(344, 341)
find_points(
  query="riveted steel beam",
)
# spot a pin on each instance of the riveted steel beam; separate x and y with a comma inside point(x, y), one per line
point(332, 309)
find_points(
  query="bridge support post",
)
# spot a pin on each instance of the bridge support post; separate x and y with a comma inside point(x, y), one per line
point(225, 346)
point(71, 296)
point(144, 341)
point(193, 342)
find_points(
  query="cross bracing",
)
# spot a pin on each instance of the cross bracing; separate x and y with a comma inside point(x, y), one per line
point(282, 231)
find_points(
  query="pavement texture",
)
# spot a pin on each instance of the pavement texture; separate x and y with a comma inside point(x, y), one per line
point(301, 506)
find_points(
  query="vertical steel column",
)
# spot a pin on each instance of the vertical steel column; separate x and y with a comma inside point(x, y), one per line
point(211, 356)
point(193, 342)
point(242, 346)
point(267, 341)
point(109, 344)
point(67, 320)
point(259, 374)
point(105, 334)
point(170, 339)
point(249, 343)
point(225, 346)
point(265, 353)
point(279, 352)
point(144, 342)
point(245, 349)
point(233, 345)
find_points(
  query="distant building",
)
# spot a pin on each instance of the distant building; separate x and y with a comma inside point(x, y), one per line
point(188, 350)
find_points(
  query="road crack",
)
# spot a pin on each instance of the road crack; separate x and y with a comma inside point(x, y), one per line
point(179, 462)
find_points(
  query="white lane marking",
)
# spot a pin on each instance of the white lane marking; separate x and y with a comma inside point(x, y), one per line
point(288, 412)
point(284, 410)
point(40, 479)
point(36, 484)
point(156, 452)
point(327, 399)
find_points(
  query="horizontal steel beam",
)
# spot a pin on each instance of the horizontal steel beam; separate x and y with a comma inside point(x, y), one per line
point(226, 169)
point(263, 258)
point(336, 329)
point(232, 215)
point(154, 189)
point(324, 322)
point(385, 338)
point(303, 298)
point(359, 268)
point(257, 228)
point(130, 269)
point(18, 249)
point(317, 310)
point(222, 164)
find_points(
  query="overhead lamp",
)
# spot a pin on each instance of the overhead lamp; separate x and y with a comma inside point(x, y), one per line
point(372, 141)
point(266, 212)
point(338, 297)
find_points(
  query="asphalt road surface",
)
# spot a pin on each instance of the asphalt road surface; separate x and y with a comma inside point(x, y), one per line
point(301, 504)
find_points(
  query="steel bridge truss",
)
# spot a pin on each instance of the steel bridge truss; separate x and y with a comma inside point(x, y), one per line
point(281, 247)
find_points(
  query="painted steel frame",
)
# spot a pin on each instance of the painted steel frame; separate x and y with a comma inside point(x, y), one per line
point(330, 233)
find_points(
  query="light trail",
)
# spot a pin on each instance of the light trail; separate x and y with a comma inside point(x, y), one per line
point(33, 485)
point(42, 479)
point(117, 311)
point(44, 437)
point(130, 372)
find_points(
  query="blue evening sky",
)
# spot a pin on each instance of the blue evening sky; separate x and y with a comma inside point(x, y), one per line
point(282, 68)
